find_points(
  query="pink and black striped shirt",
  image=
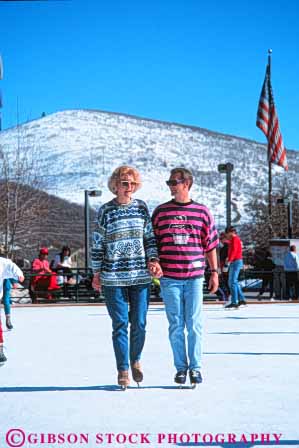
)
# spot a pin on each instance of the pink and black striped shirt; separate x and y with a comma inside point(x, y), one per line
point(184, 233)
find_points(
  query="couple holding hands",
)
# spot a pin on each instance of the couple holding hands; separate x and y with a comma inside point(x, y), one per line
point(129, 247)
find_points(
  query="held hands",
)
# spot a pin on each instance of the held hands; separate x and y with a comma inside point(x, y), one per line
point(96, 282)
point(155, 269)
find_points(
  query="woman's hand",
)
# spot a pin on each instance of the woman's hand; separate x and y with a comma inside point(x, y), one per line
point(155, 269)
point(96, 282)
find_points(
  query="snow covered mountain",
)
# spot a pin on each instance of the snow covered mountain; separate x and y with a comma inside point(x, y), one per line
point(80, 148)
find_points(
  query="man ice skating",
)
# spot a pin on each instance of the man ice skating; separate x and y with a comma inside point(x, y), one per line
point(235, 262)
point(186, 235)
point(8, 269)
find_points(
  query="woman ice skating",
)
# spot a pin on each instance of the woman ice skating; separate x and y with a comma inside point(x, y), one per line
point(124, 255)
point(8, 269)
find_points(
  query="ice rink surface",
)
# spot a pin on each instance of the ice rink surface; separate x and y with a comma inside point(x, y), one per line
point(58, 387)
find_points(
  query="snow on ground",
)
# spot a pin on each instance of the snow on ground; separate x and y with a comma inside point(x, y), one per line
point(60, 378)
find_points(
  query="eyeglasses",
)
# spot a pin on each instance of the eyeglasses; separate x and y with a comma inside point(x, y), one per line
point(127, 183)
point(174, 182)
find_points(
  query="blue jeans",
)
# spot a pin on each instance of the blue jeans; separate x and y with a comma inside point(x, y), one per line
point(183, 304)
point(127, 304)
point(233, 275)
point(7, 284)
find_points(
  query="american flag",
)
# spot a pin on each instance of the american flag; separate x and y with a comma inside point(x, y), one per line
point(267, 121)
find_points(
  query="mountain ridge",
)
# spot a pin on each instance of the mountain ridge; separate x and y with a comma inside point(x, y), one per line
point(80, 148)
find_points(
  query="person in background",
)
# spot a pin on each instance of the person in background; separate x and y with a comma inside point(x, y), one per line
point(186, 236)
point(266, 268)
point(124, 254)
point(8, 269)
point(235, 263)
point(7, 285)
point(62, 264)
point(291, 267)
point(223, 254)
point(44, 279)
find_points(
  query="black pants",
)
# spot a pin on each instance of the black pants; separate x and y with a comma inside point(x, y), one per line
point(292, 280)
point(267, 280)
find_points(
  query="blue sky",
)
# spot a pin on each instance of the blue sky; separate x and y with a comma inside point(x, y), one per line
point(191, 61)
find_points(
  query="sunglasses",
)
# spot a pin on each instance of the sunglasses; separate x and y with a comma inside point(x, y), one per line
point(174, 182)
point(127, 183)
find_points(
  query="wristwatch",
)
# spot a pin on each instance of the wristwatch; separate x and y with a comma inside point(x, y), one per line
point(153, 259)
point(214, 270)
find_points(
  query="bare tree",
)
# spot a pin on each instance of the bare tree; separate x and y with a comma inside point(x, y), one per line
point(263, 228)
point(20, 193)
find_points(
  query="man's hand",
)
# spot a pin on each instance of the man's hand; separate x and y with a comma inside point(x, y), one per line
point(155, 269)
point(96, 282)
point(213, 282)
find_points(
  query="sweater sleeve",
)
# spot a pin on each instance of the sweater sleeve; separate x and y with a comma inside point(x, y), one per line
point(12, 270)
point(98, 242)
point(149, 239)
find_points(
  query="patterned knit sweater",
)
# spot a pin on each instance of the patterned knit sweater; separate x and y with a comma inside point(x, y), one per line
point(123, 243)
point(184, 232)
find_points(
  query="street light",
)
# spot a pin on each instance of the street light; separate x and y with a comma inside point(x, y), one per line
point(1, 77)
point(288, 201)
point(87, 194)
point(227, 168)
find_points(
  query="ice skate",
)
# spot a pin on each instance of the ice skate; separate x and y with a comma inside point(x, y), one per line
point(137, 373)
point(123, 379)
point(231, 305)
point(195, 378)
point(3, 358)
point(180, 377)
point(9, 325)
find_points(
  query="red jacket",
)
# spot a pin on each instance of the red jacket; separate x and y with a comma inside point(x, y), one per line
point(235, 249)
point(42, 266)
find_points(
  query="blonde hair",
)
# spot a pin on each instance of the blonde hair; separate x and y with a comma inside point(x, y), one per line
point(121, 171)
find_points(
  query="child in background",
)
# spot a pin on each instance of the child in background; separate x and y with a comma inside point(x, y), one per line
point(8, 269)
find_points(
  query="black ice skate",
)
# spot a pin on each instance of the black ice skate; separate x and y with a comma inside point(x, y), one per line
point(180, 377)
point(195, 378)
point(233, 306)
point(3, 358)
point(9, 325)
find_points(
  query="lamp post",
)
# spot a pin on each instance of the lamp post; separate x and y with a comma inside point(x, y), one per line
point(87, 194)
point(1, 77)
point(288, 201)
point(227, 168)
point(290, 216)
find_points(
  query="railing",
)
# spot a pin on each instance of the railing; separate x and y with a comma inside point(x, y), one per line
point(82, 291)
point(79, 290)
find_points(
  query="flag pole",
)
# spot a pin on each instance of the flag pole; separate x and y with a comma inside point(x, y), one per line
point(1, 77)
point(269, 158)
